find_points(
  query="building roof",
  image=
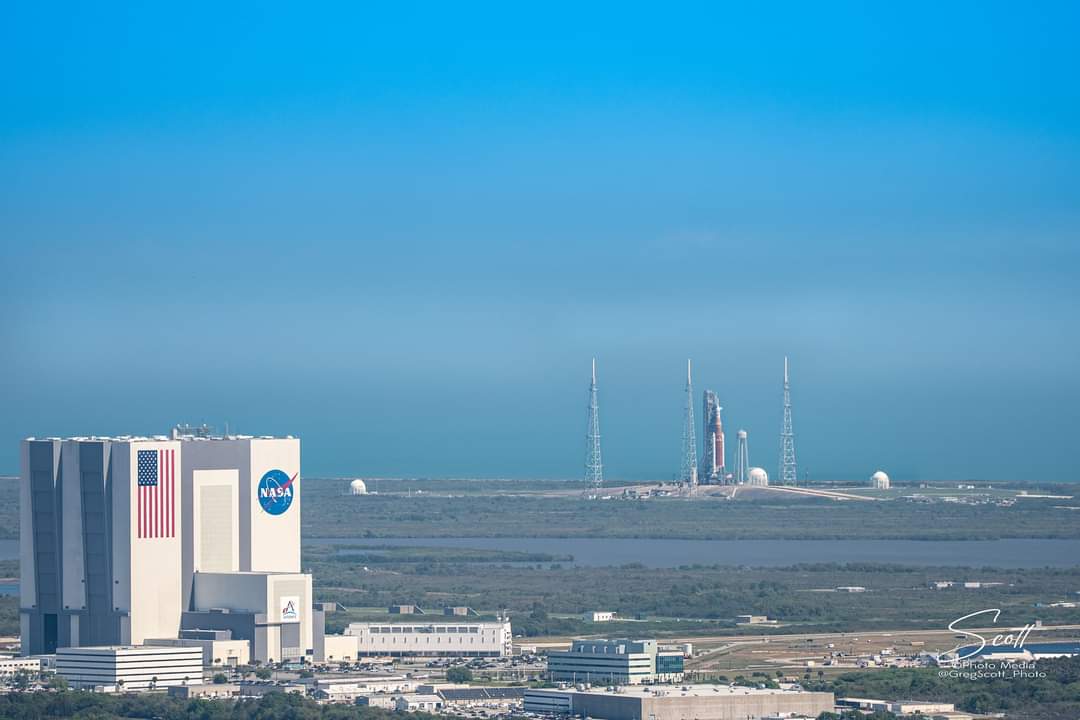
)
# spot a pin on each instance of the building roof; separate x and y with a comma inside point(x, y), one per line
point(674, 691)
point(359, 679)
point(420, 697)
point(483, 693)
point(150, 649)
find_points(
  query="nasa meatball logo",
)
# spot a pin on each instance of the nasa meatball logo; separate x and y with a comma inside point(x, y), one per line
point(276, 491)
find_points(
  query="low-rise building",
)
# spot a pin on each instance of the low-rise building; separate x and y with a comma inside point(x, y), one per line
point(336, 648)
point(459, 610)
point(348, 689)
point(689, 702)
point(206, 691)
point(598, 616)
point(616, 662)
point(901, 707)
point(496, 698)
point(405, 610)
point(260, 688)
point(386, 702)
point(433, 639)
point(218, 647)
point(414, 702)
point(751, 619)
point(10, 665)
point(130, 668)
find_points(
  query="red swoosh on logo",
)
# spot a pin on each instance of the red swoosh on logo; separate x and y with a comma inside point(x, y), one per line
point(286, 485)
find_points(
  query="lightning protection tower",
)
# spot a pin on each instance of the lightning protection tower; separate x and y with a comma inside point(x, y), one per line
point(742, 460)
point(594, 468)
point(688, 472)
point(788, 474)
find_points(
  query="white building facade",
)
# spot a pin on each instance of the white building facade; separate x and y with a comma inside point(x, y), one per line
point(99, 541)
point(622, 662)
point(441, 639)
point(130, 668)
point(126, 539)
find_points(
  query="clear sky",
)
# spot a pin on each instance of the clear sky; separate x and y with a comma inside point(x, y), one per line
point(402, 230)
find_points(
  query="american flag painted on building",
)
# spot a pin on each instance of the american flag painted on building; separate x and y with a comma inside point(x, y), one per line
point(157, 493)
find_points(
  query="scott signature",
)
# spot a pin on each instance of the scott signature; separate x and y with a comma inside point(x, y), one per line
point(1015, 638)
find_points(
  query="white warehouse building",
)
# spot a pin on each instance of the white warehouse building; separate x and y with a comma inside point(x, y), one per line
point(442, 639)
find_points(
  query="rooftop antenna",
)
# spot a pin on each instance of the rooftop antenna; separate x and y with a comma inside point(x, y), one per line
point(594, 467)
point(688, 472)
point(788, 474)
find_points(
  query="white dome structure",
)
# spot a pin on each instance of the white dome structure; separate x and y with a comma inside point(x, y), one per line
point(757, 476)
point(358, 487)
point(879, 481)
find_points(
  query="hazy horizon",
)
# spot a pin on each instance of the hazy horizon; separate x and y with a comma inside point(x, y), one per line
point(404, 241)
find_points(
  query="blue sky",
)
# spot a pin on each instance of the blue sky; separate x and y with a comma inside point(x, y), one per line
point(401, 232)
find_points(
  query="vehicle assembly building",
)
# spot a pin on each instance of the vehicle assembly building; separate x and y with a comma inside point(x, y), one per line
point(128, 540)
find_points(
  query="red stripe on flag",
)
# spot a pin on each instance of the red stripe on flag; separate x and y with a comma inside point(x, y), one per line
point(160, 496)
point(166, 494)
point(161, 493)
point(169, 499)
point(172, 493)
point(154, 501)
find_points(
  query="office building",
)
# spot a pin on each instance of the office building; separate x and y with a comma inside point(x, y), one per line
point(10, 665)
point(691, 702)
point(616, 662)
point(129, 668)
point(439, 639)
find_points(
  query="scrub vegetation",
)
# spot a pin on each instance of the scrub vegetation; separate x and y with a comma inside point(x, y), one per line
point(1054, 697)
point(547, 598)
point(420, 508)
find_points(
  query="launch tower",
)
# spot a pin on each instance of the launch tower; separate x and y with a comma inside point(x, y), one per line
point(788, 474)
point(594, 468)
point(689, 471)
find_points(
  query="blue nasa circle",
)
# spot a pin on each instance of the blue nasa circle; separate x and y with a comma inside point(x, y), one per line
point(276, 492)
